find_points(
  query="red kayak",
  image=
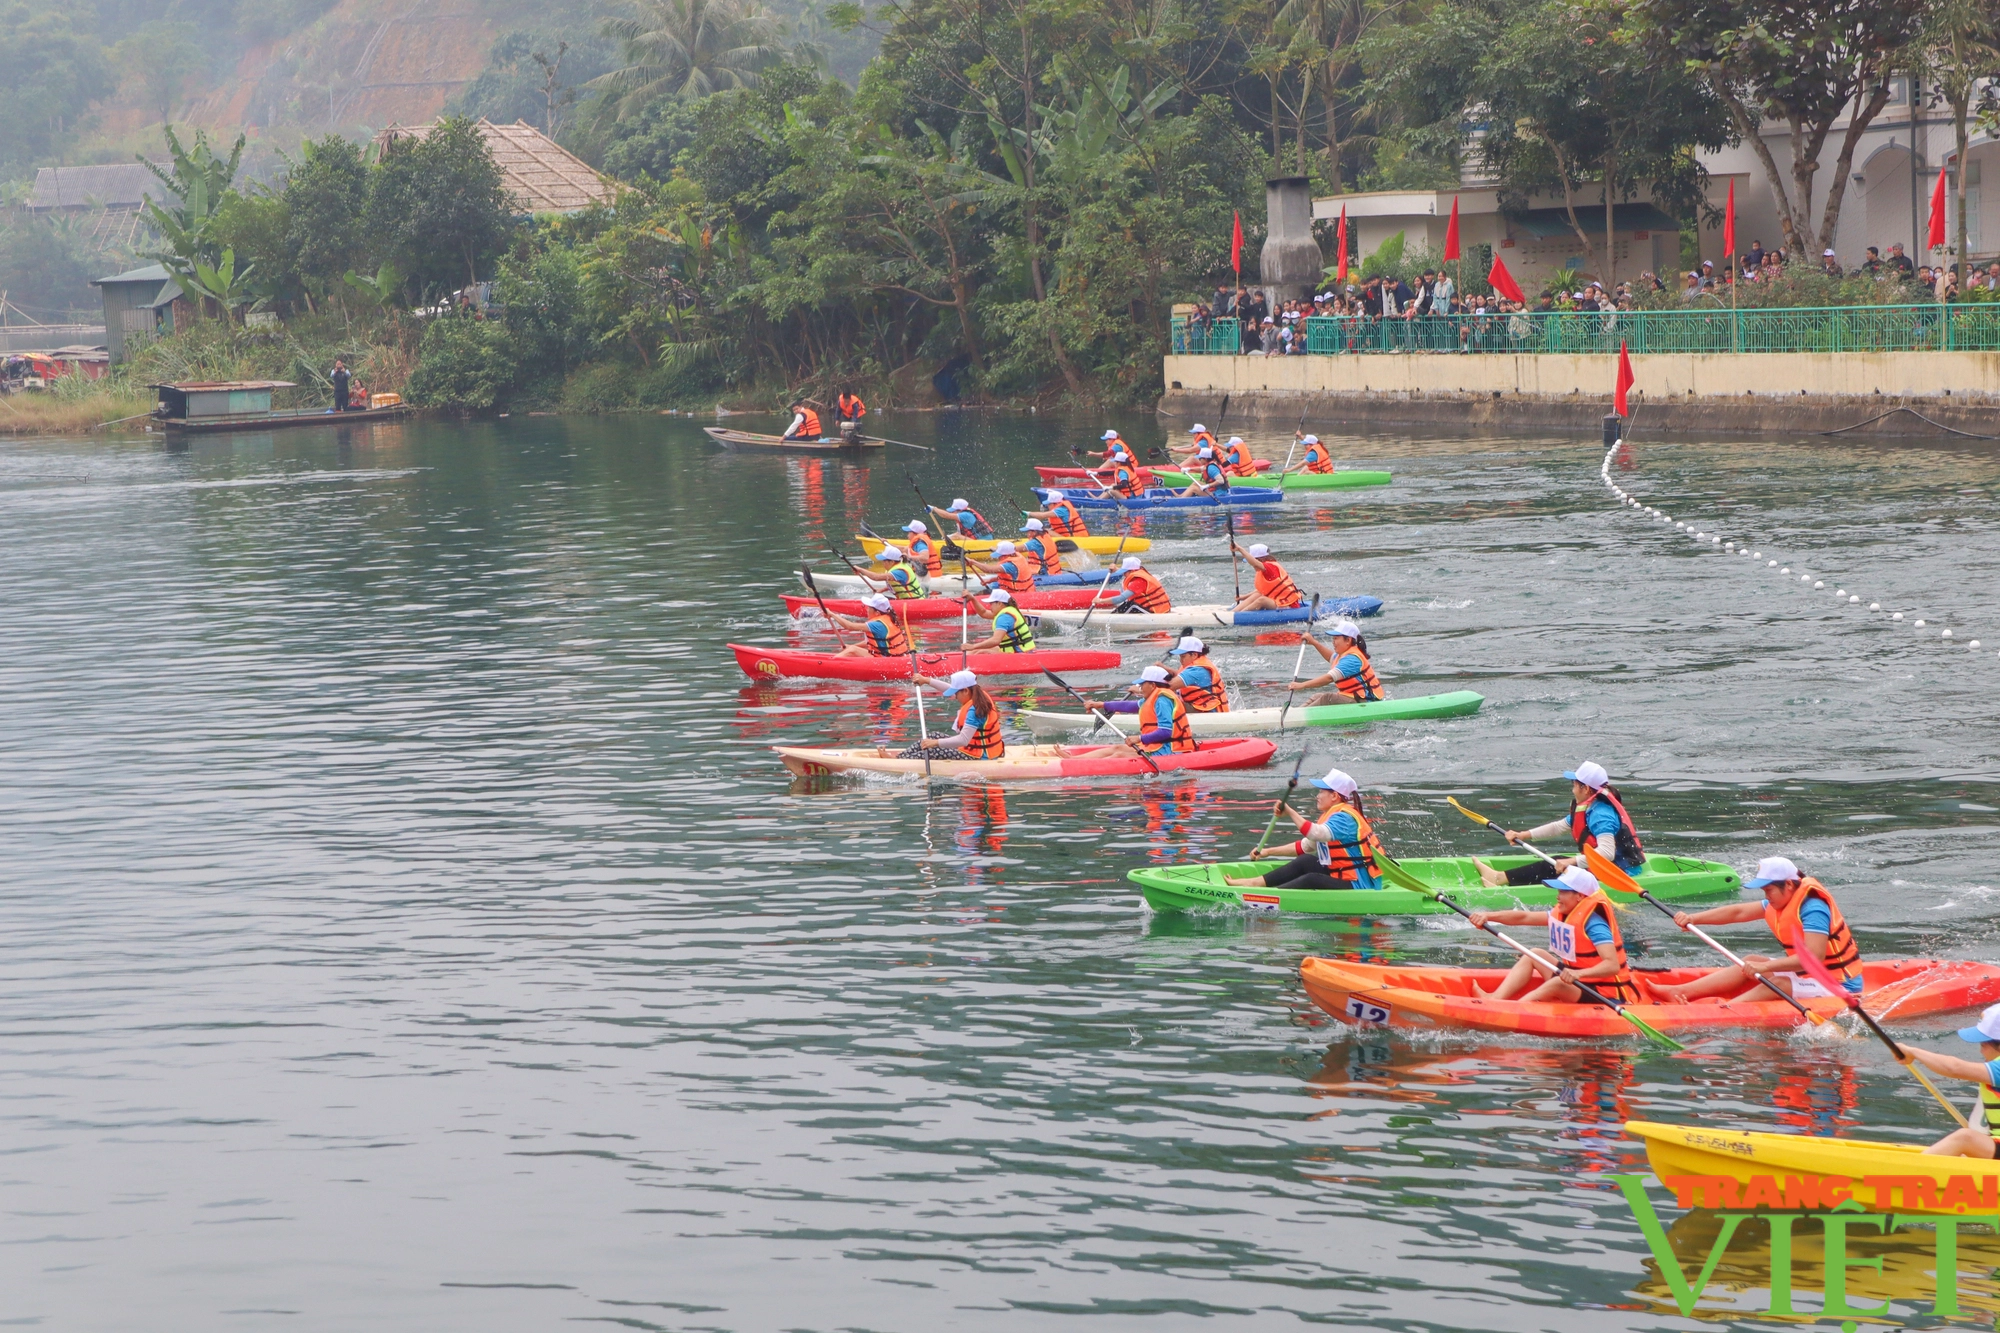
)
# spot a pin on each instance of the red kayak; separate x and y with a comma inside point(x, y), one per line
point(1056, 476)
point(1030, 762)
point(948, 608)
point(790, 664)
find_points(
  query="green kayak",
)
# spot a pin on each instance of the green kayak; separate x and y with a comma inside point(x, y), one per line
point(1296, 481)
point(1183, 888)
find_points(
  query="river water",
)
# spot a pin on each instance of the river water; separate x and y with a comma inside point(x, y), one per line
point(407, 925)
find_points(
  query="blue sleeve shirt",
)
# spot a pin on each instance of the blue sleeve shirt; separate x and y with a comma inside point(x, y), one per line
point(1602, 818)
point(1198, 675)
point(1348, 665)
point(1993, 1072)
point(1347, 834)
point(1817, 918)
point(1599, 931)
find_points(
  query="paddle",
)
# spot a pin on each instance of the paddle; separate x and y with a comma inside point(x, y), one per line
point(1092, 708)
point(1478, 818)
point(917, 688)
point(1235, 570)
point(807, 574)
point(1282, 802)
point(1118, 555)
point(1402, 878)
point(1609, 872)
point(906, 444)
point(1293, 694)
point(1818, 970)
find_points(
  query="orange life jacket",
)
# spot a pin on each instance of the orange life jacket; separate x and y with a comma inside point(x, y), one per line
point(1236, 460)
point(1335, 857)
point(1148, 593)
point(1180, 735)
point(851, 407)
point(1043, 550)
point(1199, 440)
point(808, 425)
point(1125, 481)
point(1016, 575)
point(1318, 458)
point(1273, 582)
point(1627, 846)
point(892, 641)
point(1204, 698)
point(1584, 953)
point(1367, 686)
point(985, 742)
point(1067, 519)
point(920, 549)
point(1843, 958)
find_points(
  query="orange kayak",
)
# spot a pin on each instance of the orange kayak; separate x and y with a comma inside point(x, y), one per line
point(1458, 997)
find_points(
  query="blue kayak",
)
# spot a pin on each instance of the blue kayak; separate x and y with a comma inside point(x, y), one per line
point(1204, 618)
point(1161, 499)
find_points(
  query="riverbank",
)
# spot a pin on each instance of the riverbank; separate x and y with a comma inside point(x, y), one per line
point(60, 413)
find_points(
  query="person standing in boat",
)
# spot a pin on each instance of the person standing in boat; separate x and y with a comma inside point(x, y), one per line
point(883, 634)
point(1347, 669)
point(1583, 937)
point(1802, 915)
point(978, 724)
point(805, 422)
point(1197, 680)
point(342, 378)
point(1338, 852)
point(1597, 815)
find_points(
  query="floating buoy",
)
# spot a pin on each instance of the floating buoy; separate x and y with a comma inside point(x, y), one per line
point(1920, 624)
point(1872, 606)
point(1853, 599)
point(1896, 616)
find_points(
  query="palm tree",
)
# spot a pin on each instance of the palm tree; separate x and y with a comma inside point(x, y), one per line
point(689, 48)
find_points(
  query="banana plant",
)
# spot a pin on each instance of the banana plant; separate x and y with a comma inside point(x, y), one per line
point(380, 289)
point(221, 282)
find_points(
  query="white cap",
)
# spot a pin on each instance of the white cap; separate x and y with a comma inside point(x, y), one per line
point(1576, 880)
point(1109, 435)
point(1032, 525)
point(1309, 439)
point(1130, 562)
point(1196, 429)
point(960, 680)
point(957, 505)
point(916, 525)
point(1336, 781)
point(1591, 775)
point(1345, 629)
point(999, 596)
point(1152, 675)
point(1003, 548)
point(1204, 452)
point(889, 551)
point(1826, 254)
point(1190, 644)
point(1986, 1029)
point(1772, 870)
point(1236, 439)
point(876, 601)
point(1257, 551)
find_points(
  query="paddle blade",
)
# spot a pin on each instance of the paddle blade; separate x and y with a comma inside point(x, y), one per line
point(1651, 1033)
point(1608, 871)
point(1818, 971)
point(1472, 815)
point(1401, 878)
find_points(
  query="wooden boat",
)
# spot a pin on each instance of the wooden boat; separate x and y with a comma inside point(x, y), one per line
point(204, 407)
point(750, 442)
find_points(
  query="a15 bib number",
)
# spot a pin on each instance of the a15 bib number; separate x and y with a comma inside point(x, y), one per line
point(1562, 940)
point(1362, 1011)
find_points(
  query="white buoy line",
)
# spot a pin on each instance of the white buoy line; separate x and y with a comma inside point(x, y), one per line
point(1841, 594)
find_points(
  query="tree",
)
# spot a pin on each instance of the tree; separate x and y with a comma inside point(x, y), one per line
point(167, 59)
point(49, 75)
point(688, 48)
point(437, 208)
point(1802, 63)
point(1960, 49)
point(198, 181)
point(326, 195)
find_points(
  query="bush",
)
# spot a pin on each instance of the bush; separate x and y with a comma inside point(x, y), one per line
point(465, 365)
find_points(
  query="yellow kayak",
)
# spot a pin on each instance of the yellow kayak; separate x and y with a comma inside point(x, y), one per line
point(983, 547)
point(1763, 1168)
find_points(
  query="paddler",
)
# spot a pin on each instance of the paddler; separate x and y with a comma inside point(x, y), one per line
point(1143, 592)
point(1115, 448)
point(1063, 517)
point(1976, 1139)
point(1198, 436)
point(978, 724)
point(923, 552)
point(1583, 937)
point(900, 579)
point(882, 634)
point(1040, 548)
point(1274, 589)
point(805, 422)
point(1596, 815)
point(1206, 476)
point(1009, 568)
point(1012, 631)
point(1119, 479)
point(1338, 852)
point(1347, 669)
point(1197, 680)
point(1801, 913)
point(1163, 717)
point(1319, 458)
point(962, 520)
point(1236, 460)
point(848, 407)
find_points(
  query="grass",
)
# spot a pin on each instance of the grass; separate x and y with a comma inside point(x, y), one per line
point(53, 413)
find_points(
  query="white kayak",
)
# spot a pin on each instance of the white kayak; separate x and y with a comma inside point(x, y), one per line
point(1248, 720)
point(1211, 616)
point(945, 585)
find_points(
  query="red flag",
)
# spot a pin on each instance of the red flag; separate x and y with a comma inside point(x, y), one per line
point(1729, 231)
point(1451, 232)
point(1343, 245)
point(1236, 248)
point(1503, 282)
point(1936, 241)
point(1618, 404)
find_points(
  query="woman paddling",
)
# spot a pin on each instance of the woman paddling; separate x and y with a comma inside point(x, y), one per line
point(1163, 719)
point(1318, 460)
point(1583, 937)
point(1975, 1139)
point(1596, 815)
point(1197, 680)
point(1207, 476)
point(1347, 669)
point(1802, 914)
point(978, 734)
point(1011, 631)
point(882, 634)
point(1336, 853)
point(1274, 589)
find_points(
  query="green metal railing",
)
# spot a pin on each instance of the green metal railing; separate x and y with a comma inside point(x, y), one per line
point(1973, 326)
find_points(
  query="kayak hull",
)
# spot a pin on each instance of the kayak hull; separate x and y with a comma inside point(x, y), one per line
point(1083, 476)
point(949, 608)
point(1687, 1150)
point(1212, 616)
point(1200, 888)
point(1295, 481)
point(983, 546)
point(765, 664)
point(1249, 721)
point(949, 585)
point(1457, 997)
point(1032, 763)
point(1089, 499)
